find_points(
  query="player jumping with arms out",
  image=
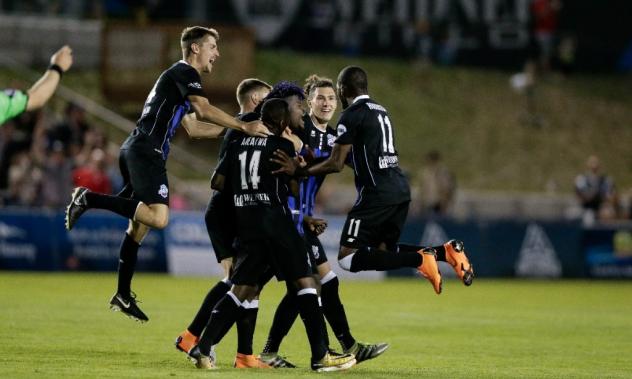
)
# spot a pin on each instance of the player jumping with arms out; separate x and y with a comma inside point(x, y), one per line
point(317, 138)
point(267, 238)
point(220, 225)
point(373, 226)
point(145, 197)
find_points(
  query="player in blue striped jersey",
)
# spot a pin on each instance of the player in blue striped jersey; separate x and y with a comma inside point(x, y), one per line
point(317, 138)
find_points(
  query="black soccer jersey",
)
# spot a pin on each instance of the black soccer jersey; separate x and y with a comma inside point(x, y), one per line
point(247, 169)
point(166, 104)
point(233, 134)
point(367, 127)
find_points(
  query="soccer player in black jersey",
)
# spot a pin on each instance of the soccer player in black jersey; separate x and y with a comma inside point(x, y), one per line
point(267, 238)
point(220, 224)
point(369, 239)
point(145, 197)
point(317, 138)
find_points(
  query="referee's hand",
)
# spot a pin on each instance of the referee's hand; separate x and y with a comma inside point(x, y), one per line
point(256, 129)
point(62, 58)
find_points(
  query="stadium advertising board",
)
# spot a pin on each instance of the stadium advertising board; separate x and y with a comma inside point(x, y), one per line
point(608, 251)
point(507, 248)
point(37, 240)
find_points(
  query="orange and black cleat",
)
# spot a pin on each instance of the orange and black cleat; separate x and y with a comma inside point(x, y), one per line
point(429, 268)
point(455, 256)
point(186, 341)
point(249, 361)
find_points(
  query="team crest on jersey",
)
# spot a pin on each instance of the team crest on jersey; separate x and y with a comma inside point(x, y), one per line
point(331, 139)
point(341, 129)
point(268, 18)
point(195, 85)
point(313, 134)
point(163, 191)
point(315, 251)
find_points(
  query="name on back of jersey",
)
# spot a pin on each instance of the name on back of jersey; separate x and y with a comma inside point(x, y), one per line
point(254, 141)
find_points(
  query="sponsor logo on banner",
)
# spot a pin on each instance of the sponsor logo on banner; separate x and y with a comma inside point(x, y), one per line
point(268, 18)
point(537, 256)
point(19, 249)
point(10, 231)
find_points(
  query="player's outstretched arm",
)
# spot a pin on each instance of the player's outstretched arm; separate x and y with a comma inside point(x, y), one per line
point(207, 112)
point(44, 88)
point(335, 163)
point(200, 129)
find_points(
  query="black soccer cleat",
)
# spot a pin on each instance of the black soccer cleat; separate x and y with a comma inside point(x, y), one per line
point(76, 207)
point(128, 307)
point(275, 361)
point(365, 351)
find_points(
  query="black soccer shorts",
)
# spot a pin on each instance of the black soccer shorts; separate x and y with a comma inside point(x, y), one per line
point(373, 226)
point(275, 243)
point(220, 220)
point(144, 175)
point(314, 247)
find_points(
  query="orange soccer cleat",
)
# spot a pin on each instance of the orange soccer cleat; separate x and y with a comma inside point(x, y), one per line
point(186, 341)
point(455, 256)
point(429, 268)
point(249, 361)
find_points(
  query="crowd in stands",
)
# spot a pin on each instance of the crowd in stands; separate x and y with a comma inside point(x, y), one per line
point(42, 160)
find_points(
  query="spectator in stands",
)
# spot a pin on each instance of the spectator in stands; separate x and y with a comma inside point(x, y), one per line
point(545, 15)
point(93, 174)
point(596, 193)
point(21, 132)
point(24, 180)
point(71, 130)
point(56, 179)
point(437, 187)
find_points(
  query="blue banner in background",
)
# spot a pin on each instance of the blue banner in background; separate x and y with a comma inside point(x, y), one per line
point(37, 240)
point(505, 248)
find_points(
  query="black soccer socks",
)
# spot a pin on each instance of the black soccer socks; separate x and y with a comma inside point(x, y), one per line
point(119, 205)
point(204, 313)
point(367, 258)
point(128, 256)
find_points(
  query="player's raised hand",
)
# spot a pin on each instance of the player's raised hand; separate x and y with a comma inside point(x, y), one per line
point(288, 165)
point(256, 129)
point(62, 58)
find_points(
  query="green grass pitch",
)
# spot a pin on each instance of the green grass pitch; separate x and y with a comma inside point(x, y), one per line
point(59, 326)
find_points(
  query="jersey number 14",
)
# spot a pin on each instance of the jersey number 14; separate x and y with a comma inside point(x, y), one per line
point(251, 174)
